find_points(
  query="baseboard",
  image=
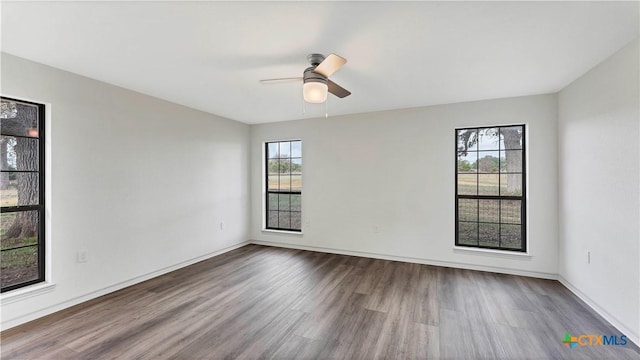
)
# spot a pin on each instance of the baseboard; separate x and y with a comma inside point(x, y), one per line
point(94, 294)
point(631, 335)
point(495, 269)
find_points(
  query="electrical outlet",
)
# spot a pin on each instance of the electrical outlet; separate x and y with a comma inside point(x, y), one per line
point(376, 229)
point(82, 256)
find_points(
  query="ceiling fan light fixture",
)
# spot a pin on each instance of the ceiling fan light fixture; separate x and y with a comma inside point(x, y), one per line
point(315, 92)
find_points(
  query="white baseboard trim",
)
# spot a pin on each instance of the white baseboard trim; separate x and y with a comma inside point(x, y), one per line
point(495, 269)
point(8, 324)
point(631, 335)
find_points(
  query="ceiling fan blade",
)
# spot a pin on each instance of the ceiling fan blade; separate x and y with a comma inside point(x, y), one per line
point(337, 90)
point(330, 64)
point(280, 80)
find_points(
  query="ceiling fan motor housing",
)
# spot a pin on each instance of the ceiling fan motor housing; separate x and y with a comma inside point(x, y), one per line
point(312, 76)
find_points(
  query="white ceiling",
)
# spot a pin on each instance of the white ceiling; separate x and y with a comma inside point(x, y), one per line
point(210, 55)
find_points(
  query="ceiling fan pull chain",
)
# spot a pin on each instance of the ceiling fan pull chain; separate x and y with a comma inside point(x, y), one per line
point(326, 109)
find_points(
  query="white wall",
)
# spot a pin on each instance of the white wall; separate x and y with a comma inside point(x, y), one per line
point(599, 175)
point(395, 170)
point(140, 183)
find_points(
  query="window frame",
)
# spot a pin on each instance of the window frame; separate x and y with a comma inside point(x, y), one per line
point(523, 197)
point(40, 207)
point(290, 192)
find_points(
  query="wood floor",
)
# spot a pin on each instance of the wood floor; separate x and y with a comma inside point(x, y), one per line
point(264, 302)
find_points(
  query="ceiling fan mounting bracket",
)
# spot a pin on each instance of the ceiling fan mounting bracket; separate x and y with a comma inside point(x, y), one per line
point(315, 59)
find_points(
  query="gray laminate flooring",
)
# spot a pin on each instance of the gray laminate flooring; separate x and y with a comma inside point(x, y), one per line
point(264, 302)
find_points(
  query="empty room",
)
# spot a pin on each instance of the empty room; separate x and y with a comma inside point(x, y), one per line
point(320, 180)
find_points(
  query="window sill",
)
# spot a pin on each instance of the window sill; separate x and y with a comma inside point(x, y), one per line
point(25, 292)
point(282, 232)
point(501, 253)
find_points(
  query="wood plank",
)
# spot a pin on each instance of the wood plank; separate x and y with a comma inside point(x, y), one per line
point(271, 303)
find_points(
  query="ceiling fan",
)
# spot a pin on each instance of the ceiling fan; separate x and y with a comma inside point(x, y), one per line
point(315, 79)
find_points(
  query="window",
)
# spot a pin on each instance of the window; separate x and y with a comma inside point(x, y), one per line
point(21, 193)
point(284, 185)
point(490, 187)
